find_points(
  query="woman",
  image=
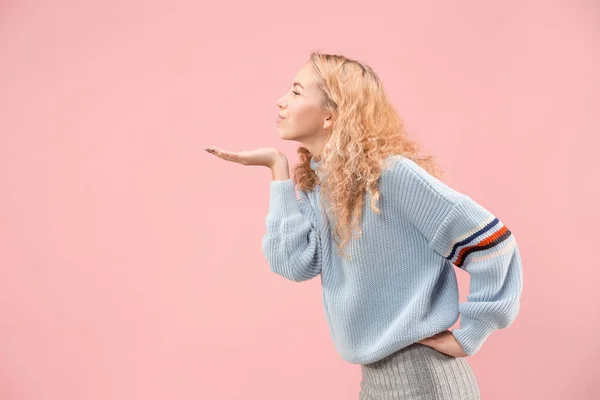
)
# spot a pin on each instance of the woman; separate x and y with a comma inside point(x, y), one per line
point(390, 292)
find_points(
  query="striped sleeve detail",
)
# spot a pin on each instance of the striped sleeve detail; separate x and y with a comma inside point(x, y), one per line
point(483, 237)
point(467, 230)
point(477, 242)
point(503, 250)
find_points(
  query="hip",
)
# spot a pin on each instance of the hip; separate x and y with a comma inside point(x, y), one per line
point(419, 372)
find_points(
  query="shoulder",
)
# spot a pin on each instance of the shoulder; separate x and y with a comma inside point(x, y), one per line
point(397, 163)
point(400, 173)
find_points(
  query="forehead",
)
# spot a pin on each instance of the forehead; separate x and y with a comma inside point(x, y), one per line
point(304, 76)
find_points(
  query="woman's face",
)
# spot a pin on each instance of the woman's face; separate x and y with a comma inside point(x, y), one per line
point(301, 115)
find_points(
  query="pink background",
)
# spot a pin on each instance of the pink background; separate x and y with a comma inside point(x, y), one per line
point(130, 258)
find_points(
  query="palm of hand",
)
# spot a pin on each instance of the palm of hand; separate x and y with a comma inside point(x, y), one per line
point(265, 156)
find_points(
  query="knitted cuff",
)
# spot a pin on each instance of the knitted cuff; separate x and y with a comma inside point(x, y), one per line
point(283, 199)
point(472, 334)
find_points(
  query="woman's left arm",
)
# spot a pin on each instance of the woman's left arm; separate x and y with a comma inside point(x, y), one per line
point(471, 238)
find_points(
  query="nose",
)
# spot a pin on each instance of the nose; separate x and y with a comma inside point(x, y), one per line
point(281, 104)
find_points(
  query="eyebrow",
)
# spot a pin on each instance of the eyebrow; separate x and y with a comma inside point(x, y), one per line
point(296, 83)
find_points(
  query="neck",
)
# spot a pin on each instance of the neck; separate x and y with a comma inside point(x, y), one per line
point(315, 147)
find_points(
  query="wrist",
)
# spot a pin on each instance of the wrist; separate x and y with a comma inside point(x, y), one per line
point(279, 159)
point(280, 168)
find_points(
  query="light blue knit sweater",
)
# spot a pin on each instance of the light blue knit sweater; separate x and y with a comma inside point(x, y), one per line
point(399, 285)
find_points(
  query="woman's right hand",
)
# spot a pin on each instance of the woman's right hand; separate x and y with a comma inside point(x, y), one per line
point(266, 156)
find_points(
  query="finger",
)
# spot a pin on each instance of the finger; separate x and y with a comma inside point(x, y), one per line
point(216, 151)
point(219, 152)
point(230, 156)
point(225, 155)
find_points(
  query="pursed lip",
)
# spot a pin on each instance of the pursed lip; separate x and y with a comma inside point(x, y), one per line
point(280, 116)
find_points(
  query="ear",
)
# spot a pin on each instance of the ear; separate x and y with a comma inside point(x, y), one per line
point(328, 120)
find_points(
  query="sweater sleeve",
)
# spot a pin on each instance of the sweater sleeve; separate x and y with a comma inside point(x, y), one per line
point(291, 244)
point(473, 239)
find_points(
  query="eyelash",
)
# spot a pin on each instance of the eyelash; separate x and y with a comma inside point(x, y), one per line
point(293, 91)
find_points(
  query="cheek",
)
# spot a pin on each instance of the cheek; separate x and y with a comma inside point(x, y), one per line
point(304, 114)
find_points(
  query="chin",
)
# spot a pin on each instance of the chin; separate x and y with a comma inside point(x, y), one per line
point(285, 135)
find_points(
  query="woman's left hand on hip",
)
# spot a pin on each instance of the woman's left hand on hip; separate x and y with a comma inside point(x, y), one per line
point(444, 342)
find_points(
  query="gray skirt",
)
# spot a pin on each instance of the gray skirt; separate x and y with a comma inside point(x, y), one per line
point(419, 372)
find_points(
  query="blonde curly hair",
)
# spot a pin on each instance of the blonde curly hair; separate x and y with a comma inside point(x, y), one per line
point(366, 130)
